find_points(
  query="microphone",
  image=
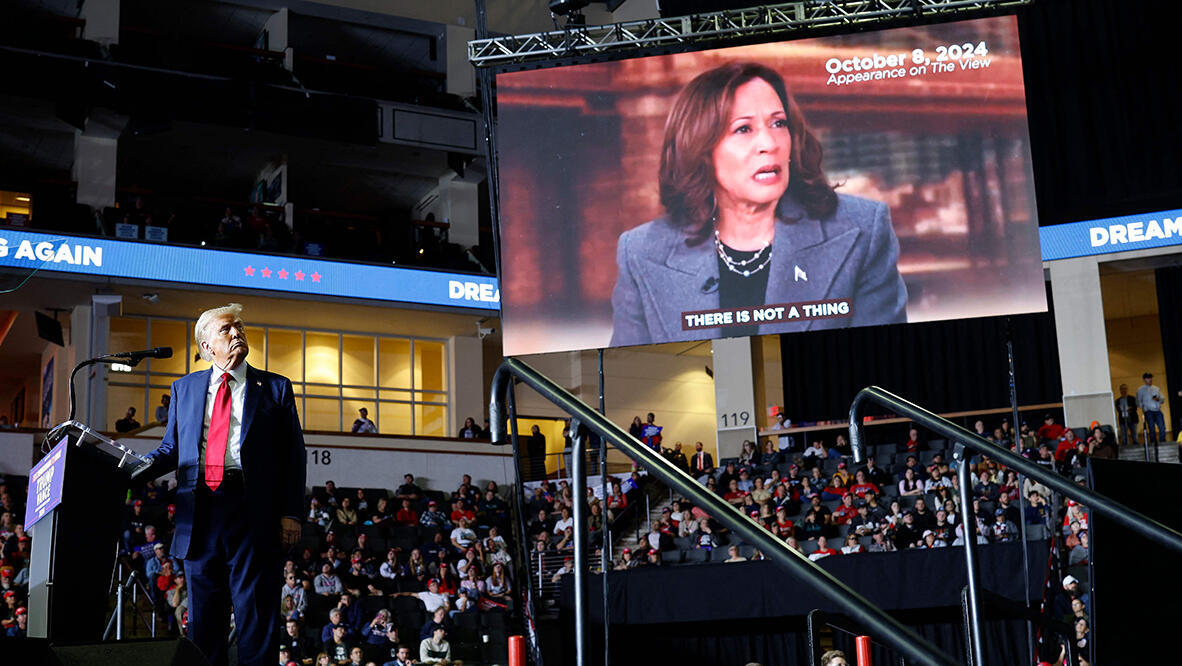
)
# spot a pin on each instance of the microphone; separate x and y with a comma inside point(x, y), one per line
point(710, 285)
point(137, 356)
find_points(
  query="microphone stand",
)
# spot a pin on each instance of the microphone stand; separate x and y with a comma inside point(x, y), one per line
point(131, 361)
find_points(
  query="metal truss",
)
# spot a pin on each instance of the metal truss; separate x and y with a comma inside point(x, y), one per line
point(780, 19)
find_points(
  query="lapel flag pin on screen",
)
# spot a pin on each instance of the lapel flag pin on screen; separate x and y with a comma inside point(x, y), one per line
point(800, 275)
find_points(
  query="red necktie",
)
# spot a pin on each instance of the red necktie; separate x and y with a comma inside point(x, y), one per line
point(219, 433)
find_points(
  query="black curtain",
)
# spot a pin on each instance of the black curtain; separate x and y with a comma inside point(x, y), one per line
point(943, 366)
point(1102, 100)
point(1169, 316)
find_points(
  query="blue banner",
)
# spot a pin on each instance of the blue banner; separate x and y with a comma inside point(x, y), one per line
point(220, 268)
point(1114, 234)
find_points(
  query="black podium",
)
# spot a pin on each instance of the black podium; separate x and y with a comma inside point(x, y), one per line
point(75, 542)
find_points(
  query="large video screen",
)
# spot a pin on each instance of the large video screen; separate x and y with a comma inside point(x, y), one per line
point(854, 180)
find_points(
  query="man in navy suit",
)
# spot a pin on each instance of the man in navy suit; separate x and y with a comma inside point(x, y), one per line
point(234, 439)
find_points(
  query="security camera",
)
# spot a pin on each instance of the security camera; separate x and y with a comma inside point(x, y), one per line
point(483, 331)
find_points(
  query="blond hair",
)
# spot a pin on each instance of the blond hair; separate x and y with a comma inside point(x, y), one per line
point(208, 316)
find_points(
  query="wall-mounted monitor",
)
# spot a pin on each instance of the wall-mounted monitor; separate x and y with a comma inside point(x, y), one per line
point(852, 180)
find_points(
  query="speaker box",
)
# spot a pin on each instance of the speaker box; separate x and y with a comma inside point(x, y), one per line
point(154, 651)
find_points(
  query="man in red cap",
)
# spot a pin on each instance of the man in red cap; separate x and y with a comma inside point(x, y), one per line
point(21, 628)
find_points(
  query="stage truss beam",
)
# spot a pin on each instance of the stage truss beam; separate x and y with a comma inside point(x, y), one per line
point(780, 19)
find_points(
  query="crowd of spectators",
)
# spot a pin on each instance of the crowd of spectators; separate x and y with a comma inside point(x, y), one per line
point(380, 576)
point(15, 548)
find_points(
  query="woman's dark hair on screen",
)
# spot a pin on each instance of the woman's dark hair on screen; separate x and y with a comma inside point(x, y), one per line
point(697, 121)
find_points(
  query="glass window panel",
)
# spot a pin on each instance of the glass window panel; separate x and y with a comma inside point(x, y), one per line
point(323, 358)
point(395, 395)
point(127, 334)
point(431, 420)
point(169, 333)
point(297, 389)
point(321, 414)
point(350, 412)
point(357, 360)
point(285, 354)
point(394, 419)
point(256, 336)
point(430, 368)
point(359, 394)
point(428, 396)
point(119, 398)
point(323, 389)
point(394, 362)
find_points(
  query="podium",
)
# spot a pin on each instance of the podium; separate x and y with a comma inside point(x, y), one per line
point(75, 510)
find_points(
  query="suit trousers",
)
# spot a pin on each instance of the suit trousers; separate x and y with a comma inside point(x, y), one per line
point(232, 565)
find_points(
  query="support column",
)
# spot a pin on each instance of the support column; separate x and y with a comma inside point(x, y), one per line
point(1083, 343)
point(465, 360)
point(734, 395)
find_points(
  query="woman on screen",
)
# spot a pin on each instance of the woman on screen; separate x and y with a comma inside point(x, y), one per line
point(751, 220)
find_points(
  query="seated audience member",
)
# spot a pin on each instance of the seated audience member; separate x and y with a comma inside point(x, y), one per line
point(931, 540)
point(880, 543)
point(842, 477)
point(748, 457)
point(943, 529)
point(815, 455)
point(498, 588)
point(935, 481)
point(1037, 512)
point(701, 464)
point(436, 649)
point(1080, 553)
point(863, 524)
point(985, 489)
point(846, 512)
point(811, 529)
point(910, 485)
point(1050, 431)
point(823, 550)
point(924, 518)
point(470, 430)
point(406, 516)
point(733, 553)
point(408, 489)
point(912, 443)
point(327, 583)
point(907, 534)
point(462, 536)
point(704, 537)
point(734, 495)
point(380, 515)
point(435, 518)
point(338, 646)
point(862, 484)
point(770, 455)
point(1101, 446)
point(1065, 446)
point(346, 515)
point(627, 561)
point(852, 546)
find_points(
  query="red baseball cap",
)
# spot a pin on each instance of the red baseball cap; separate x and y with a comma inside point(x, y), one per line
point(138, 503)
point(21, 610)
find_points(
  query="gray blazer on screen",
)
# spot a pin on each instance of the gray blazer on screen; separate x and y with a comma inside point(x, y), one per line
point(853, 254)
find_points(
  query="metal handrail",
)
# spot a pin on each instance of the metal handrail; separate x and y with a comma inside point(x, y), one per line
point(964, 440)
point(876, 621)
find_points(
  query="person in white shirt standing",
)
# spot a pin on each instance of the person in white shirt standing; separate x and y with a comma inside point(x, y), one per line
point(1149, 400)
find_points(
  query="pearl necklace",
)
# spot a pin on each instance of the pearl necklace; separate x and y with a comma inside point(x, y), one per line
point(741, 266)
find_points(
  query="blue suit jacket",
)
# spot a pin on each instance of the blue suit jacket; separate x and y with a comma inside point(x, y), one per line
point(853, 254)
point(272, 451)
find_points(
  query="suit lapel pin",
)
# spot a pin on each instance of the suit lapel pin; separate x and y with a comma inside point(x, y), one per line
point(801, 275)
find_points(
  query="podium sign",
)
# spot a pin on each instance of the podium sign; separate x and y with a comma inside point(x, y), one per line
point(45, 483)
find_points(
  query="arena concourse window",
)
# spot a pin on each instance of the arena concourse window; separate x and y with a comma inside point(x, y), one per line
point(402, 382)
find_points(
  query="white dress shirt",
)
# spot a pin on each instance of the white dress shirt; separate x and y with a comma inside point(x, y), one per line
point(237, 403)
